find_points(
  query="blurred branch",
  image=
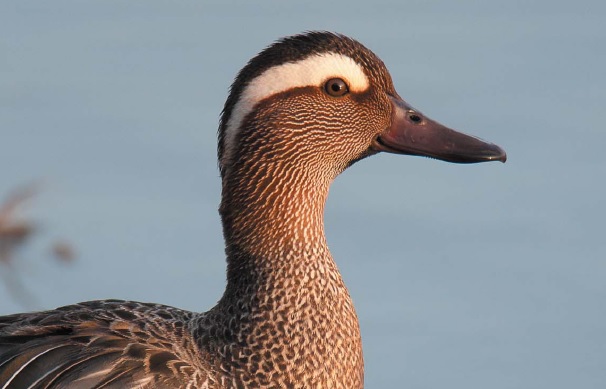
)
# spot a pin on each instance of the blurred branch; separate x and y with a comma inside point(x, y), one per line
point(15, 234)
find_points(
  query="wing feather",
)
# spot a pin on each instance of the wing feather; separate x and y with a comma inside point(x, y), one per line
point(101, 345)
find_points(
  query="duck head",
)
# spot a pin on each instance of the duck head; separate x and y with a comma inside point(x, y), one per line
point(322, 101)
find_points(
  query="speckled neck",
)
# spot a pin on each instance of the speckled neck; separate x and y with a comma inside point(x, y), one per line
point(295, 313)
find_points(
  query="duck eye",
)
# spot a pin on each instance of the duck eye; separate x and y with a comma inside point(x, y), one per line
point(336, 87)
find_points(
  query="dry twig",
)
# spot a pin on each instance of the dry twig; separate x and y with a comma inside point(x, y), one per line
point(15, 233)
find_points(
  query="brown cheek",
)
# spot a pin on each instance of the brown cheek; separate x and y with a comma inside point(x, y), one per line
point(374, 115)
point(308, 127)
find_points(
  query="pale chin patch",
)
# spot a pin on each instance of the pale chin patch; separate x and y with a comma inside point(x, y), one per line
point(314, 70)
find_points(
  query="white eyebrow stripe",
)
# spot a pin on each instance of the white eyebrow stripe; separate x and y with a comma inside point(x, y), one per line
point(311, 71)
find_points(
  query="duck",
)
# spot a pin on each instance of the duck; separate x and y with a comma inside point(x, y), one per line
point(297, 115)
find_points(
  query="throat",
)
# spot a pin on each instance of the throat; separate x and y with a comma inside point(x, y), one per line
point(275, 235)
point(271, 216)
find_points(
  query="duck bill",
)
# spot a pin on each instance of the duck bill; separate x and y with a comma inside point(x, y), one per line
point(413, 133)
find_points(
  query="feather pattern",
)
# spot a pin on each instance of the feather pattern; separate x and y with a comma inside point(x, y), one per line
point(100, 344)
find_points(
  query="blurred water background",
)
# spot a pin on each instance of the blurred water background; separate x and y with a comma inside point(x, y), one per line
point(483, 276)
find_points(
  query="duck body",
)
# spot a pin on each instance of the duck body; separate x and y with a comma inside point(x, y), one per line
point(297, 115)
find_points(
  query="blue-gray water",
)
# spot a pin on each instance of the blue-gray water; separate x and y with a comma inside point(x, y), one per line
point(483, 276)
